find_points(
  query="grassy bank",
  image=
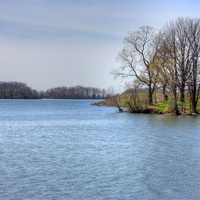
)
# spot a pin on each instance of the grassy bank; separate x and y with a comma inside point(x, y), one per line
point(139, 104)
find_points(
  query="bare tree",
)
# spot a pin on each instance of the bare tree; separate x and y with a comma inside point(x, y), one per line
point(183, 52)
point(182, 41)
point(169, 60)
point(139, 56)
point(168, 52)
point(174, 56)
point(164, 64)
point(193, 36)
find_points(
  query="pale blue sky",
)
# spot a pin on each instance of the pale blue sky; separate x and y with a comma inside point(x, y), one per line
point(48, 43)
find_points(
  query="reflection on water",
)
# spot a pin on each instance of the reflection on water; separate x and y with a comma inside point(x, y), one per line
point(64, 149)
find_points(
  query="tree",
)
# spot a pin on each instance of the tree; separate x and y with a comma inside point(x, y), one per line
point(163, 65)
point(167, 61)
point(139, 58)
point(183, 50)
point(170, 45)
point(193, 36)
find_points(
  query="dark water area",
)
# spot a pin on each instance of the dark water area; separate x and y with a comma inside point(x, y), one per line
point(70, 150)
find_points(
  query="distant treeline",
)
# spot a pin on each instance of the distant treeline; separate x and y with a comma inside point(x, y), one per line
point(18, 90)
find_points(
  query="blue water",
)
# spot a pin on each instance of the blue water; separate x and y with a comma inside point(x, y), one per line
point(70, 150)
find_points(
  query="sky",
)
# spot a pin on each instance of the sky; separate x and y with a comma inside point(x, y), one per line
point(49, 43)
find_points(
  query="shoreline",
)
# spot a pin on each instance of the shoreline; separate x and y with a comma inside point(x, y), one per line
point(151, 110)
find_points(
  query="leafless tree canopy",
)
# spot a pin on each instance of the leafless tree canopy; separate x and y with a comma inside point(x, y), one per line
point(139, 57)
point(168, 59)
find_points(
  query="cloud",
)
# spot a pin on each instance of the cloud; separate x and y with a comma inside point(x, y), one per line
point(60, 20)
point(66, 42)
point(88, 18)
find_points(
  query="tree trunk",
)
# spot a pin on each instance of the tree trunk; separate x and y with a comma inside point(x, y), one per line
point(194, 107)
point(150, 95)
point(194, 104)
point(182, 93)
point(165, 97)
point(182, 96)
point(194, 85)
point(176, 110)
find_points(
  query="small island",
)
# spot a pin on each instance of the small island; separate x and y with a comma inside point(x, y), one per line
point(164, 68)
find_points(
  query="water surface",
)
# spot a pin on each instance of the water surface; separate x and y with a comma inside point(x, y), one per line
point(70, 150)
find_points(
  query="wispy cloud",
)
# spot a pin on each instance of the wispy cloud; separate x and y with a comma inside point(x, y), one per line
point(25, 30)
point(61, 19)
point(88, 18)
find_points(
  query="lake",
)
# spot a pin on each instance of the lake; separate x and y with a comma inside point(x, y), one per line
point(71, 150)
